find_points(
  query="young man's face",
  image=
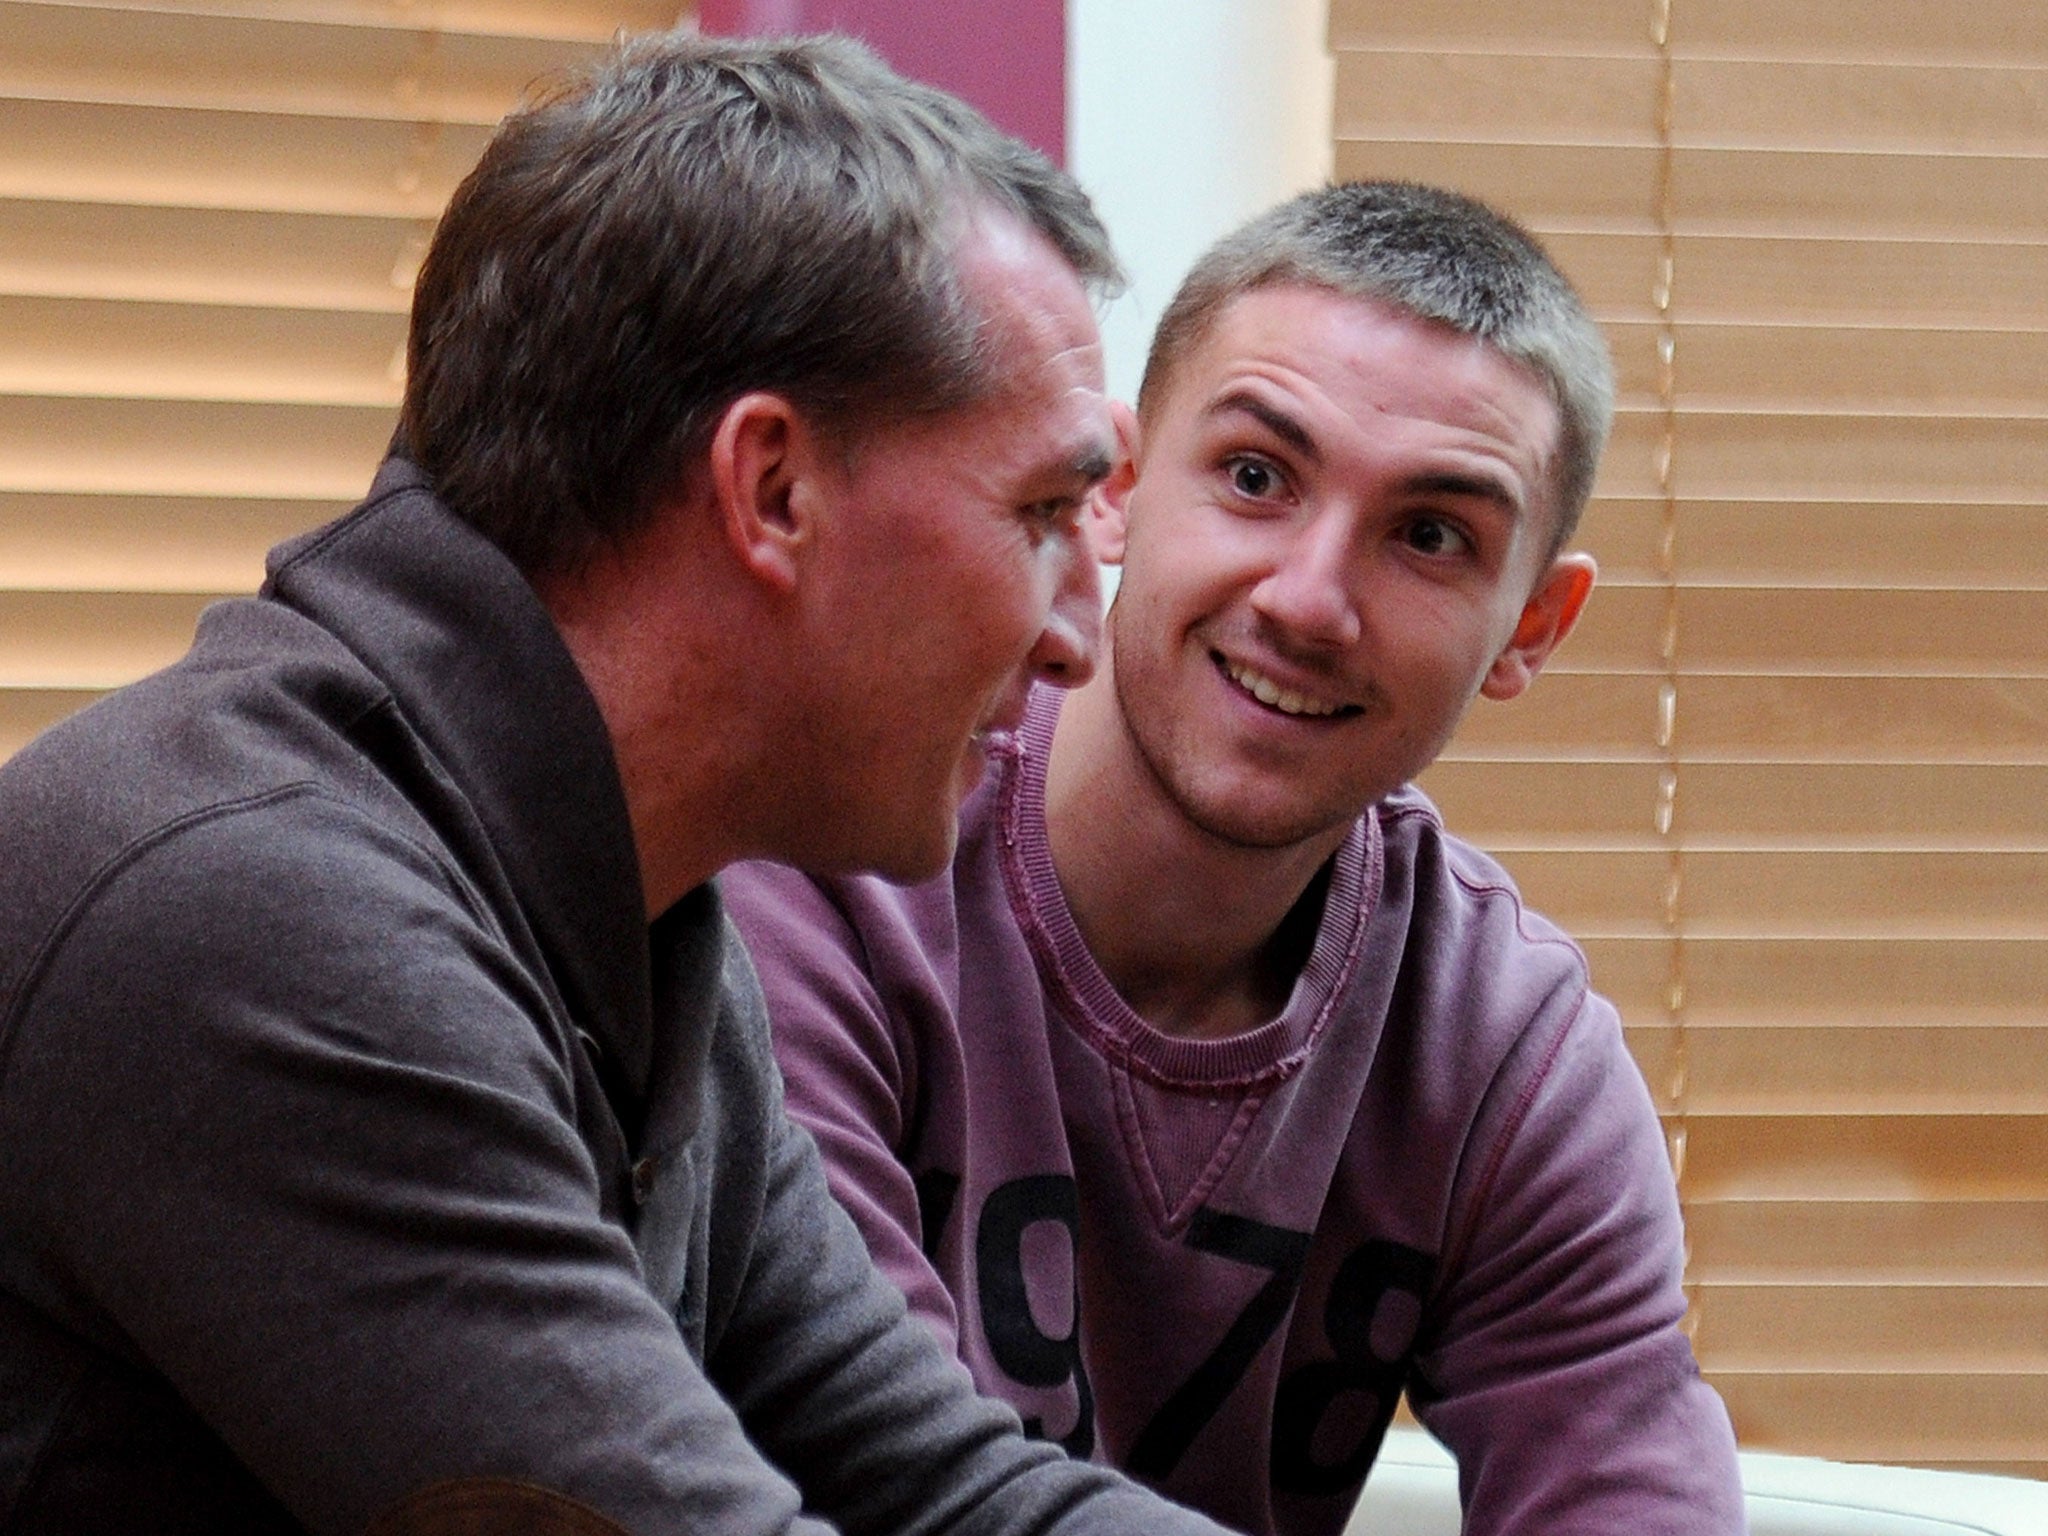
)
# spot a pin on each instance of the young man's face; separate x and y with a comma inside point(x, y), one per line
point(1339, 534)
point(963, 573)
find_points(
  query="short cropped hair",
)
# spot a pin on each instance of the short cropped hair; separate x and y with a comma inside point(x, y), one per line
point(693, 219)
point(1434, 254)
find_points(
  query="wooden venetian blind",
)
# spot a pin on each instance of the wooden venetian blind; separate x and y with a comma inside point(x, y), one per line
point(210, 217)
point(1789, 782)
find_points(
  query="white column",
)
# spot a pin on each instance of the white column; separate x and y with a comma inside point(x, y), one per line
point(1184, 118)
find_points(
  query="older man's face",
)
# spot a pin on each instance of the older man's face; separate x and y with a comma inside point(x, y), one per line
point(961, 573)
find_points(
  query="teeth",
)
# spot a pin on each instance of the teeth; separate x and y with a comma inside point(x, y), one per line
point(1271, 694)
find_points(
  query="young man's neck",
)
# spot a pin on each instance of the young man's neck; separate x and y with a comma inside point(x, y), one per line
point(1203, 938)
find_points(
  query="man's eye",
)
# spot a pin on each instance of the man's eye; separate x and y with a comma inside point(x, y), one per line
point(1054, 510)
point(1434, 536)
point(1253, 477)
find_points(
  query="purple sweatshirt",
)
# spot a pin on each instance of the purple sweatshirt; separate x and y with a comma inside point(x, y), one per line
point(1218, 1263)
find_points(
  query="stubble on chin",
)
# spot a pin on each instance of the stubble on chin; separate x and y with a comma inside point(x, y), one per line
point(1217, 810)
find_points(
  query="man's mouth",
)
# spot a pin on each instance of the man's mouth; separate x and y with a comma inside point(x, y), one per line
point(1276, 696)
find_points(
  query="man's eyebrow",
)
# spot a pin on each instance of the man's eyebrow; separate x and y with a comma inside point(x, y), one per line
point(1092, 464)
point(1474, 487)
point(1277, 422)
point(1084, 461)
point(1441, 483)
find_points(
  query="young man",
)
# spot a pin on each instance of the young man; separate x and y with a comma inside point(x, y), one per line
point(389, 1129)
point(1217, 1095)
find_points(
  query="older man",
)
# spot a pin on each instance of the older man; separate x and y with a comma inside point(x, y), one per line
point(1218, 1095)
point(388, 1126)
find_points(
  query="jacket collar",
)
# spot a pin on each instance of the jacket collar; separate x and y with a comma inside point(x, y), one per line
point(478, 670)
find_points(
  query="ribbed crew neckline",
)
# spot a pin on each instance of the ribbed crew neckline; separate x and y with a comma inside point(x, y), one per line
point(1090, 1004)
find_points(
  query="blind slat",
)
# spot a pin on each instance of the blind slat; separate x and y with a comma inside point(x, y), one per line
point(1800, 541)
point(1886, 369)
point(25, 713)
point(587, 20)
point(211, 217)
point(1852, 1326)
point(1867, 1156)
point(196, 256)
point(1829, 980)
point(1759, 455)
point(1768, 719)
point(1933, 806)
point(1808, 893)
point(145, 543)
point(378, 68)
point(1903, 1241)
point(1571, 99)
point(91, 640)
point(1733, 191)
point(1873, 631)
point(1843, 456)
point(1876, 30)
point(1928, 1419)
point(165, 351)
point(190, 448)
point(1821, 1069)
point(232, 160)
point(1817, 279)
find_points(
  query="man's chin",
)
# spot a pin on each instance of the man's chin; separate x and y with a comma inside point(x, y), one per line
point(914, 863)
point(899, 848)
point(1251, 822)
point(972, 770)
point(912, 851)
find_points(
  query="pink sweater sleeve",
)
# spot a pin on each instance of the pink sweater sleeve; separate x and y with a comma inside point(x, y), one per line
point(850, 1077)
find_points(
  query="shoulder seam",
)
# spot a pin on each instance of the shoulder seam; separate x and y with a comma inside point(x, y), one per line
point(129, 853)
point(902, 1043)
point(1496, 1154)
point(1505, 887)
point(122, 857)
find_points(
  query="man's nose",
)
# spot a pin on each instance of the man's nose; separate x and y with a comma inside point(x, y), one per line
point(1308, 592)
point(1071, 638)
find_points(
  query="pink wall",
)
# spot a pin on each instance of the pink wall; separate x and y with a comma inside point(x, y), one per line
point(1008, 58)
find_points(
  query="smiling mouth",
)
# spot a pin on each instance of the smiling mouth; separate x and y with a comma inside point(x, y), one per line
point(1276, 697)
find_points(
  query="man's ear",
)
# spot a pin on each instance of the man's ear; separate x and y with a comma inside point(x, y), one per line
point(1109, 503)
point(763, 458)
point(1553, 608)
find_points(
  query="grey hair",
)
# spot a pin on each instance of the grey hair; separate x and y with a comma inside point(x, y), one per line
point(1432, 253)
point(691, 220)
